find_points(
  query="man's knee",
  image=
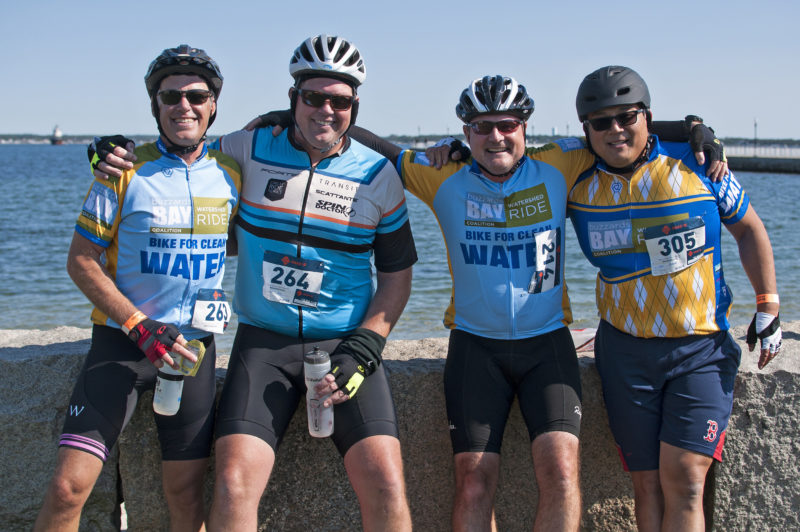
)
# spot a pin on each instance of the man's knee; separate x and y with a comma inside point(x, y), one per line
point(556, 462)
point(68, 492)
point(476, 475)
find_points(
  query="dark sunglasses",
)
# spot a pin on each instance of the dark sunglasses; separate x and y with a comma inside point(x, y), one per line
point(194, 96)
point(484, 127)
point(623, 119)
point(318, 99)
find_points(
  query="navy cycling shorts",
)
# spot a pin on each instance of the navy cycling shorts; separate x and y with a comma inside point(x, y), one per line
point(114, 375)
point(265, 382)
point(482, 376)
point(675, 390)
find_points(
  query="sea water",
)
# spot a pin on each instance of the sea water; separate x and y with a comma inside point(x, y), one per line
point(43, 188)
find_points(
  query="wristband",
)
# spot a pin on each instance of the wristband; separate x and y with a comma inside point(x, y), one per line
point(767, 298)
point(131, 322)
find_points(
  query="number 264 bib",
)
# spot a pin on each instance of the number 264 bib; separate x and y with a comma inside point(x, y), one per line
point(292, 280)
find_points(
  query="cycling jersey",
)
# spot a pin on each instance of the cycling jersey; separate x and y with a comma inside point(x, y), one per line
point(164, 227)
point(307, 234)
point(656, 239)
point(505, 241)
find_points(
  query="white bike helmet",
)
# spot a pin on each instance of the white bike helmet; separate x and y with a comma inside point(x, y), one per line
point(328, 56)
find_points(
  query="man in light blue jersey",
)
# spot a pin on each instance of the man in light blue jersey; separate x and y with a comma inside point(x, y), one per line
point(149, 251)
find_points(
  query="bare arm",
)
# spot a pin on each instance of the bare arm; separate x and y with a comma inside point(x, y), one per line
point(755, 252)
point(390, 299)
point(93, 279)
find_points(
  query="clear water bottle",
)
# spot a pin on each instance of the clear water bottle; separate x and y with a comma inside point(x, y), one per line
point(316, 364)
point(169, 388)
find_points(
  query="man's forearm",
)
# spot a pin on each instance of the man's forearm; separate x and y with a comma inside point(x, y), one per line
point(389, 301)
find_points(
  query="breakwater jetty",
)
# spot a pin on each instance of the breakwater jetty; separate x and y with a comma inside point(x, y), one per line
point(754, 488)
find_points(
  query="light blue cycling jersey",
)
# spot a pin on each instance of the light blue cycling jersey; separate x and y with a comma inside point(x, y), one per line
point(505, 241)
point(307, 235)
point(164, 227)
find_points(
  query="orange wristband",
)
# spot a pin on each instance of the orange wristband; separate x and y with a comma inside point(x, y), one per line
point(133, 321)
point(767, 298)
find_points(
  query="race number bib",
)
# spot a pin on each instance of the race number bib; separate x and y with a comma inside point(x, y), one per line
point(548, 261)
point(211, 311)
point(675, 246)
point(292, 280)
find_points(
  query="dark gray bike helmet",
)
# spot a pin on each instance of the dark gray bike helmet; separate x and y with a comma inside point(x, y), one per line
point(183, 60)
point(610, 86)
point(494, 94)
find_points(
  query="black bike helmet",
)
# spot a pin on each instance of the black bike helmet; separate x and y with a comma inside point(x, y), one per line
point(182, 60)
point(610, 86)
point(494, 94)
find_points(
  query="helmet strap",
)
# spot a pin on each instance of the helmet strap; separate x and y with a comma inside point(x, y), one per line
point(505, 174)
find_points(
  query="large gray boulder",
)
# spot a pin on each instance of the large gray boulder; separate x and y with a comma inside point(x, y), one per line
point(756, 487)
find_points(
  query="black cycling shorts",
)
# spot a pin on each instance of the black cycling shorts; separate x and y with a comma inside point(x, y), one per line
point(114, 375)
point(265, 382)
point(482, 375)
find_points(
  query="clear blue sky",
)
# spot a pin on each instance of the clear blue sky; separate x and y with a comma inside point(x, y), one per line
point(81, 64)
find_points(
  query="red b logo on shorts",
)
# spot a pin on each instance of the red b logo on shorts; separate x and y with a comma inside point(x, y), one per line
point(711, 435)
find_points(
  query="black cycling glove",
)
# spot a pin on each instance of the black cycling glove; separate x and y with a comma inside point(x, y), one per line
point(356, 358)
point(276, 118)
point(702, 138)
point(100, 147)
point(458, 146)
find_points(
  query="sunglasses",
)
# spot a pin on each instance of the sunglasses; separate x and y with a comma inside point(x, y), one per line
point(484, 127)
point(318, 99)
point(173, 97)
point(623, 119)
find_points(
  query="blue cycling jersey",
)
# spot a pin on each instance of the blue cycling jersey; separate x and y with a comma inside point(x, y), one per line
point(307, 235)
point(164, 227)
point(505, 241)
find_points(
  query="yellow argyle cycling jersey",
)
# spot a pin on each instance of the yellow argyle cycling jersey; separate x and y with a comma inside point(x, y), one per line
point(656, 239)
point(164, 228)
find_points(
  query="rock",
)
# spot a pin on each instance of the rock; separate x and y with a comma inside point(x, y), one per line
point(755, 487)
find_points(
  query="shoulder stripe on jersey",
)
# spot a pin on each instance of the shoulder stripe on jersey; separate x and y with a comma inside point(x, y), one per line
point(302, 240)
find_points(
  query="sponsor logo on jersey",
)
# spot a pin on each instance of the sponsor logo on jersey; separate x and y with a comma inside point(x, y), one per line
point(101, 205)
point(523, 208)
point(336, 208)
point(276, 189)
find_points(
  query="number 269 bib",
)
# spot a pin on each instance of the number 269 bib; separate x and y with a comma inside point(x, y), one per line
point(675, 246)
point(292, 280)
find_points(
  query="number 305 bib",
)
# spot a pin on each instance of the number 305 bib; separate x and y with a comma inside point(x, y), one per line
point(292, 280)
point(675, 246)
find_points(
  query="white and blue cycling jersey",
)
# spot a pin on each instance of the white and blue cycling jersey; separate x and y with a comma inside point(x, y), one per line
point(307, 235)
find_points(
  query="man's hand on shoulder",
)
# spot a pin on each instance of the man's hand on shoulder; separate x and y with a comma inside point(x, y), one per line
point(110, 156)
point(446, 150)
point(278, 120)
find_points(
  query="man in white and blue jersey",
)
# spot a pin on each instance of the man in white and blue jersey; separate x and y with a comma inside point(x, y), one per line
point(149, 252)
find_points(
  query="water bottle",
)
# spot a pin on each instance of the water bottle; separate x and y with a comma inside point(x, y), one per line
point(316, 364)
point(169, 388)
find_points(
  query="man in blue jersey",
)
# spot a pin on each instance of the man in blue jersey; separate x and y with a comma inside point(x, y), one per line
point(316, 208)
point(149, 252)
point(649, 218)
